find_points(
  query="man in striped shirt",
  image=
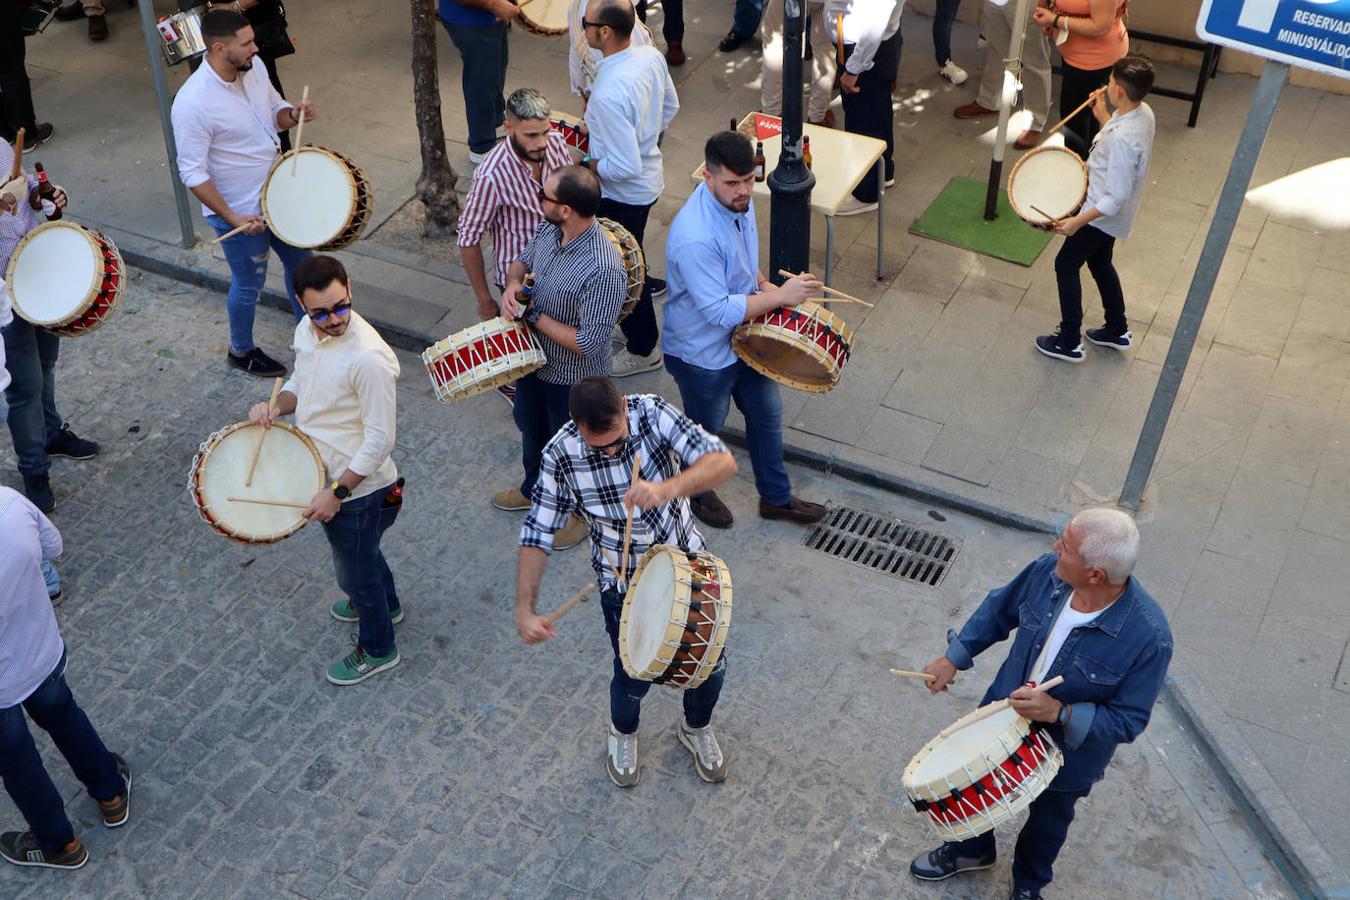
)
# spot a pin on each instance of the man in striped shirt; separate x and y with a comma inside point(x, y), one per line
point(579, 287)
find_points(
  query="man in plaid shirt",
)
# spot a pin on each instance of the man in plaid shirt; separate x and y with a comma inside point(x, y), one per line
point(586, 470)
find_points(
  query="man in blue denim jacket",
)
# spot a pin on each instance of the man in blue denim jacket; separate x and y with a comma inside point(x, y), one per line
point(1079, 614)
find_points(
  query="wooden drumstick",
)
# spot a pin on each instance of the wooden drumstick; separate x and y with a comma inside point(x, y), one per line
point(839, 34)
point(299, 131)
point(997, 707)
point(1060, 124)
point(920, 676)
point(268, 502)
point(257, 448)
point(628, 528)
point(17, 169)
point(572, 601)
point(1037, 209)
point(231, 233)
point(838, 293)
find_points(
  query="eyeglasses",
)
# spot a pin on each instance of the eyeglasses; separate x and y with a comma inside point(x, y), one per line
point(340, 310)
point(586, 24)
point(543, 195)
point(617, 445)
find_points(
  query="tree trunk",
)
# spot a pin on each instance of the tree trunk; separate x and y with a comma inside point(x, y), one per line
point(436, 186)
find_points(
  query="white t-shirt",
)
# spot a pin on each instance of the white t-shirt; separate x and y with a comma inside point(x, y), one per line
point(1068, 619)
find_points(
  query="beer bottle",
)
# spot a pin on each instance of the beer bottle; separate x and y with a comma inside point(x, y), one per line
point(44, 196)
point(732, 126)
point(806, 150)
point(759, 161)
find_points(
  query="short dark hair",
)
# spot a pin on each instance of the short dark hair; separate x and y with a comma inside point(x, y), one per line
point(729, 150)
point(1135, 76)
point(317, 273)
point(619, 15)
point(221, 25)
point(579, 188)
point(595, 403)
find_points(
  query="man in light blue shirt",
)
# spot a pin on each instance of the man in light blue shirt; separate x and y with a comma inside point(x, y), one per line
point(1117, 170)
point(712, 263)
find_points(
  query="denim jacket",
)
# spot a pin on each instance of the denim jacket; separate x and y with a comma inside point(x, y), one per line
point(1113, 667)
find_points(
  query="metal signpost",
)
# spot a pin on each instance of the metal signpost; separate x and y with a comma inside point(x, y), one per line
point(1313, 34)
point(153, 43)
point(1012, 85)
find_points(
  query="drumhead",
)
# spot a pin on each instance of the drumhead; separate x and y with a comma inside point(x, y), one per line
point(289, 469)
point(546, 16)
point(54, 273)
point(314, 206)
point(650, 600)
point(963, 748)
point(1052, 179)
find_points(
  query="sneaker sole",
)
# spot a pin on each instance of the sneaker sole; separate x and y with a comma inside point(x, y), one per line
point(1117, 347)
point(1067, 359)
point(698, 767)
point(353, 620)
point(375, 671)
point(56, 454)
point(609, 770)
point(952, 874)
point(46, 865)
point(126, 814)
point(509, 508)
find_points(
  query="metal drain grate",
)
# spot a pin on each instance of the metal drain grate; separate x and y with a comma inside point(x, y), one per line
point(888, 545)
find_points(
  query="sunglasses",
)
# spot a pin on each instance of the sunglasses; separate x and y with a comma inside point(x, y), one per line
point(588, 24)
point(322, 315)
point(616, 445)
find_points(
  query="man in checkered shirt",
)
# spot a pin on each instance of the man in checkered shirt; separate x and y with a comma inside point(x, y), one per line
point(586, 470)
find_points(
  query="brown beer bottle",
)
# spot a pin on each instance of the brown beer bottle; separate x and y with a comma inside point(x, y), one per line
point(732, 126)
point(759, 161)
point(806, 150)
point(44, 191)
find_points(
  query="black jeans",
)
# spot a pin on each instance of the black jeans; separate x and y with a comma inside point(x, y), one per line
point(1074, 86)
point(640, 326)
point(540, 410)
point(672, 26)
point(483, 52)
point(16, 95)
point(1094, 247)
point(869, 112)
point(1039, 841)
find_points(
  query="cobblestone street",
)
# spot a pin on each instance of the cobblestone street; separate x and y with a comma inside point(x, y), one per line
point(475, 768)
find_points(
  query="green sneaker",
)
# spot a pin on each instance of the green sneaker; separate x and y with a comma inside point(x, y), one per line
point(343, 611)
point(19, 848)
point(356, 667)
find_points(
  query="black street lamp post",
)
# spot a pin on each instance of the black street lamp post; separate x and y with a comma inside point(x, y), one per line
point(791, 181)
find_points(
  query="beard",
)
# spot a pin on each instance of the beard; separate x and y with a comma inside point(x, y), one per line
point(537, 156)
point(552, 220)
point(736, 206)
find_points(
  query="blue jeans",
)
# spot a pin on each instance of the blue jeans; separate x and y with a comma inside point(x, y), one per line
point(247, 256)
point(625, 694)
point(52, 577)
point(483, 51)
point(707, 395)
point(362, 572)
point(54, 710)
point(540, 410)
point(30, 356)
point(745, 20)
point(1039, 841)
point(943, 18)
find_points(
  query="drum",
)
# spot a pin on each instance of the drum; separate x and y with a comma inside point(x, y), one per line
point(804, 347)
point(1052, 179)
point(289, 470)
point(675, 617)
point(546, 17)
point(181, 34)
point(633, 261)
point(481, 358)
point(66, 278)
point(325, 205)
point(980, 775)
point(573, 130)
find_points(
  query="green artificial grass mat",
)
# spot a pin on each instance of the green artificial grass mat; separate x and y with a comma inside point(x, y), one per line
point(957, 217)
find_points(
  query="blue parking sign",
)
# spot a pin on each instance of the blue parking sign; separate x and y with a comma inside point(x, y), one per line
point(1312, 34)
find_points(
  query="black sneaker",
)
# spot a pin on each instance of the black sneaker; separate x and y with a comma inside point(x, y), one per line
point(19, 848)
point(732, 41)
point(657, 286)
point(44, 133)
point(942, 863)
point(70, 445)
point(117, 811)
point(256, 362)
point(1051, 345)
point(1103, 338)
point(38, 490)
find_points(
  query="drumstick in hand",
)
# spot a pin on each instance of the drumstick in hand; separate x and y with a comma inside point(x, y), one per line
point(17, 169)
point(920, 676)
point(1082, 106)
point(299, 130)
point(628, 528)
point(231, 233)
point(268, 502)
point(1037, 209)
point(998, 707)
point(849, 298)
point(553, 617)
point(257, 448)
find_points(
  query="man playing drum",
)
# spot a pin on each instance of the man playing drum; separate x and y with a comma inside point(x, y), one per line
point(29, 364)
point(347, 376)
point(1079, 614)
point(587, 469)
point(712, 261)
point(225, 120)
point(579, 287)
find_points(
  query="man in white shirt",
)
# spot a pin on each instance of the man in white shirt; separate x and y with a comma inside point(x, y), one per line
point(632, 104)
point(33, 679)
point(582, 58)
point(343, 396)
point(225, 122)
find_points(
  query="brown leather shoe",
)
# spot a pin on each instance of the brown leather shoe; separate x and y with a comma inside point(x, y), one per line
point(1027, 139)
point(973, 110)
point(802, 512)
point(710, 510)
point(98, 28)
point(674, 54)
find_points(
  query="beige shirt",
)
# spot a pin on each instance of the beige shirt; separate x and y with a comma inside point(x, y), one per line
point(345, 400)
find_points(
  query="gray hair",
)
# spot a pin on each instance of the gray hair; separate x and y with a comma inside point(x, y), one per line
point(527, 103)
point(1110, 542)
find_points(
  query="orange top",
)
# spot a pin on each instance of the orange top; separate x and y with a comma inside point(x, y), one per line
point(1084, 52)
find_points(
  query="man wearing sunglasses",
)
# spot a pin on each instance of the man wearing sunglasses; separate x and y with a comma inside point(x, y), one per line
point(343, 396)
point(587, 470)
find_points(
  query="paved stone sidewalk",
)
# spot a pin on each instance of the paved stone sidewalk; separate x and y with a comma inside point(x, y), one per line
point(475, 768)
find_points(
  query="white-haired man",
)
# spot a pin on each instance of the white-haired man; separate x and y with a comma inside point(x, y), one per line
point(1080, 614)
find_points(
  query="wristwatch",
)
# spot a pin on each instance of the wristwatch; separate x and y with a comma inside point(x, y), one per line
point(340, 490)
point(531, 315)
point(1063, 717)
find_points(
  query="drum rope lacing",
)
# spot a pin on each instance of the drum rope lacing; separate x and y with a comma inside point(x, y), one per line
point(699, 580)
point(817, 328)
point(999, 794)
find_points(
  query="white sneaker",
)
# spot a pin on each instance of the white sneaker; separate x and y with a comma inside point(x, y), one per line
point(476, 158)
point(708, 758)
point(952, 72)
point(626, 363)
point(622, 763)
point(855, 207)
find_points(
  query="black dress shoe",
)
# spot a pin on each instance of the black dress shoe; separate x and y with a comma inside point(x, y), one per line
point(40, 135)
point(943, 862)
point(70, 445)
point(732, 41)
point(98, 27)
point(710, 510)
point(70, 12)
point(800, 511)
point(38, 490)
point(256, 362)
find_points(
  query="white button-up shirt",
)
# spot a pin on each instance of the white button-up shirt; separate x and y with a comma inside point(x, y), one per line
point(345, 400)
point(866, 24)
point(30, 642)
point(227, 134)
point(582, 58)
point(632, 102)
point(1117, 168)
